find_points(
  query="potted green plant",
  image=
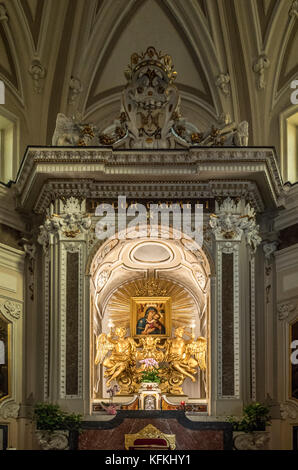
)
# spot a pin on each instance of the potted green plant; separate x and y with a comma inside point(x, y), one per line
point(53, 426)
point(249, 431)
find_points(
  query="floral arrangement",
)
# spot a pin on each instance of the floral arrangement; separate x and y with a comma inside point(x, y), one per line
point(150, 374)
point(112, 391)
point(111, 409)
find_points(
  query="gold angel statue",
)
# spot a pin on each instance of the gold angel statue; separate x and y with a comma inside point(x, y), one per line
point(119, 365)
point(120, 354)
point(179, 354)
point(198, 349)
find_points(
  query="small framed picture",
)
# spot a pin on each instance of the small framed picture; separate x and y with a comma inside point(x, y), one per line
point(150, 316)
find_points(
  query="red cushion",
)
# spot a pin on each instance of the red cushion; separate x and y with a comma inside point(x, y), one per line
point(153, 447)
point(147, 442)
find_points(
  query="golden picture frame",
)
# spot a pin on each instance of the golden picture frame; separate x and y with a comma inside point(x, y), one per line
point(150, 316)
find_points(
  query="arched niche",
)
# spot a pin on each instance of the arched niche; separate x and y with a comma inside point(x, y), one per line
point(121, 266)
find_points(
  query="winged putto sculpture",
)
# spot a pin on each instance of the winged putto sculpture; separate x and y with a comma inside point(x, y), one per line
point(178, 358)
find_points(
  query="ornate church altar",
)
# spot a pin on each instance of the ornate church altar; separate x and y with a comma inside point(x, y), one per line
point(94, 294)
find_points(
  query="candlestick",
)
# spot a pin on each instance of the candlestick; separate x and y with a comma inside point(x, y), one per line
point(110, 325)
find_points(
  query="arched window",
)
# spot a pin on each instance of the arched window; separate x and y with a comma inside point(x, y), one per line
point(8, 146)
point(289, 144)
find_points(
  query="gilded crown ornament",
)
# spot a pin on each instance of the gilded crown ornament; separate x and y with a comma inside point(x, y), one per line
point(151, 288)
point(151, 58)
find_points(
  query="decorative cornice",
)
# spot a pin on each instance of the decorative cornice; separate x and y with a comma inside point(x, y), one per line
point(104, 166)
point(147, 189)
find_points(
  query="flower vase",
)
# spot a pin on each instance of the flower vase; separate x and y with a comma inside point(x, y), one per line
point(145, 386)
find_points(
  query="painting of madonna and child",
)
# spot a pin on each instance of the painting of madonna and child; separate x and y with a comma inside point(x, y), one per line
point(150, 316)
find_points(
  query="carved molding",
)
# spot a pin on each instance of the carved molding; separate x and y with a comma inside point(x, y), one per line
point(150, 115)
point(253, 328)
point(232, 219)
point(38, 73)
point(3, 12)
point(257, 440)
point(56, 440)
point(46, 300)
point(30, 250)
point(72, 247)
point(285, 309)
point(99, 190)
point(69, 224)
point(9, 410)
point(102, 279)
point(228, 247)
point(269, 248)
point(288, 410)
point(112, 161)
point(75, 89)
point(222, 81)
point(260, 65)
point(10, 309)
point(293, 12)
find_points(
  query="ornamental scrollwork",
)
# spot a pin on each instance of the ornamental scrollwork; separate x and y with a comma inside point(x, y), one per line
point(70, 223)
point(269, 249)
point(257, 440)
point(11, 309)
point(9, 410)
point(150, 115)
point(284, 310)
point(288, 411)
point(56, 440)
point(232, 219)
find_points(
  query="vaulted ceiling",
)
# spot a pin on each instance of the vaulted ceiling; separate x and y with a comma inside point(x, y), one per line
point(232, 56)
